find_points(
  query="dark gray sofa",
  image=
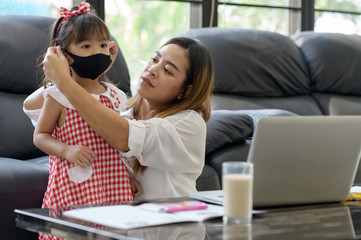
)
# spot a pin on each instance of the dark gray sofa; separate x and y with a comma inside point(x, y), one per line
point(265, 74)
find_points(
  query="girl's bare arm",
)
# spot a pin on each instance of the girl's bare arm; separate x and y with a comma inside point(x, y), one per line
point(43, 139)
point(35, 100)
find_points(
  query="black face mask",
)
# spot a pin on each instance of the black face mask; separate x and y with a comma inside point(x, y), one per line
point(90, 67)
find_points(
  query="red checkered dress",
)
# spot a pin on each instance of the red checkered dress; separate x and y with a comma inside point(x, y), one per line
point(109, 182)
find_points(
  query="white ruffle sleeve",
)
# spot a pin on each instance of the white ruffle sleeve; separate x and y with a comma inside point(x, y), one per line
point(32, 114)
point(116, 96)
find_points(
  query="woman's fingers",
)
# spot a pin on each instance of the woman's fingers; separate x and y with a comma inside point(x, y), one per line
point(51, 50)
point(56, 65)
point(113, 50)
point(135, 187)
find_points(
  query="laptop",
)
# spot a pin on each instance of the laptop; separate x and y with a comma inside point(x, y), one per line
point(301, 160)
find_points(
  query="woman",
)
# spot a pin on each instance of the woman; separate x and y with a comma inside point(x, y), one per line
point(163, 132)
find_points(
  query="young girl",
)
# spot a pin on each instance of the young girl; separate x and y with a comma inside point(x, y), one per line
point(84, 168)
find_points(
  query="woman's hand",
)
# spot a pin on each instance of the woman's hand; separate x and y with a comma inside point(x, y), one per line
point(113, 50)
point(135, 187)
point(56, 65)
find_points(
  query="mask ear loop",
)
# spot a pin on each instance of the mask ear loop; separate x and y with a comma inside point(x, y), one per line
point(69, 54)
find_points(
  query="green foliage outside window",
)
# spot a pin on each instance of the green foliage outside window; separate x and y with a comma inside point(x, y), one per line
point(339, 5)
point(274, 20)
point(142, 27)
point(259, 2)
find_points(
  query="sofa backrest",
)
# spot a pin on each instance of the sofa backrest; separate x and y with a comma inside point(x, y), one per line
point(334, 62)
point(257, 69)
point(23, 40)
point(308, 74)
point(254, 63)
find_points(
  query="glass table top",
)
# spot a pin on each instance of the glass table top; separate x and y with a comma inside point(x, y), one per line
point(324, 221)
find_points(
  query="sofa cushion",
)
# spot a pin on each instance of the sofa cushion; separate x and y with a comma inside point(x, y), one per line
point(17, 131)
point(44, 160)
point(237, 151)
point(256, 115)
point(18, 176)
point(208, 180)
point(336, 104)
point(23, 40)
point(255, 63)
point(22, 186)
point(300, 104)
point(333, 60)
point(227, 126)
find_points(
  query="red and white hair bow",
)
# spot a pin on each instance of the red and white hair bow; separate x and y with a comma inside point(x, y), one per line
point(84, 8)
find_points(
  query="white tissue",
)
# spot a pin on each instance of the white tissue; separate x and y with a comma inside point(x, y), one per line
point(78, 174)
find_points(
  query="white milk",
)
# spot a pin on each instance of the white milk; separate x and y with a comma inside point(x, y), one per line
point(238, 195)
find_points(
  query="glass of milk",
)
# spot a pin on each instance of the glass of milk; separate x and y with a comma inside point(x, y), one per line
point(237, 184)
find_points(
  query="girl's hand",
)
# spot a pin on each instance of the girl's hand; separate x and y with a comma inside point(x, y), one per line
point(80, 155)
point(56, 65)
point(135, 187)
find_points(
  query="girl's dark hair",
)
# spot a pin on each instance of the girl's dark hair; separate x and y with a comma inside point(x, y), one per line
point(76, 29)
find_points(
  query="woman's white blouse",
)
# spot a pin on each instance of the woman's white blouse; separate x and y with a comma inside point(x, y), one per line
point(173, 149)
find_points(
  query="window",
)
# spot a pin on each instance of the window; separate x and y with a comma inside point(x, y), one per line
point(338, 16)
point(48, 8)
point(140, 27)
point(280, 16)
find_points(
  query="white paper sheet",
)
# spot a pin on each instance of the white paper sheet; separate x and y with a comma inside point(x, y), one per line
point(128, 217)
point(356, 189)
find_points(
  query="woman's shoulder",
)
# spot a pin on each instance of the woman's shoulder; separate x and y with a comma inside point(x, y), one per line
point(188, 114)
point(189, 117)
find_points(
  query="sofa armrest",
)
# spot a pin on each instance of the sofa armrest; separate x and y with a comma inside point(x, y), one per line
point(237, 151)
point(257, 114)
point(22, 185)
point(226, 127)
